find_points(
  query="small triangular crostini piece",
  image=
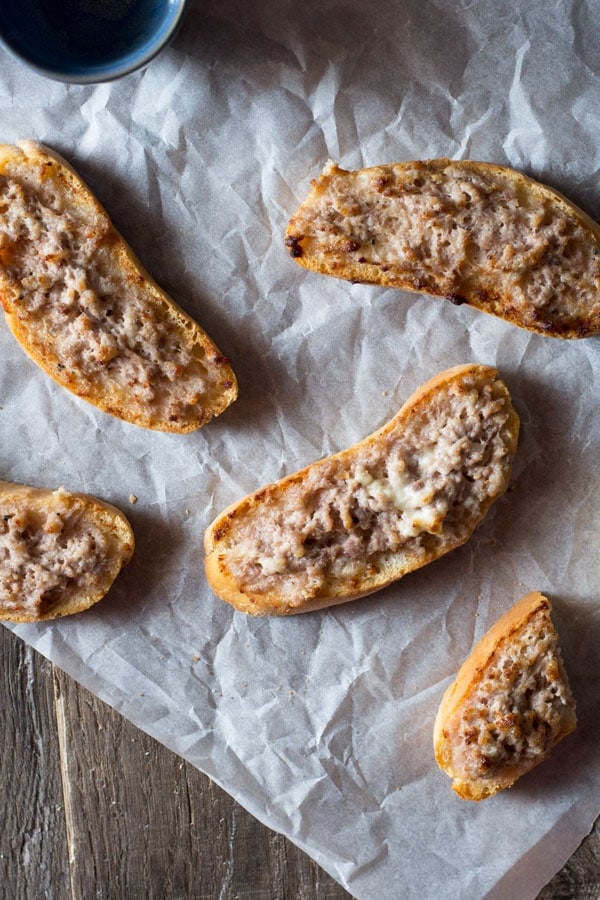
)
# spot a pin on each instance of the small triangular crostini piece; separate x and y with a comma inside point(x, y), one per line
point(472, 232)
point(59, 552)
point(508, 707)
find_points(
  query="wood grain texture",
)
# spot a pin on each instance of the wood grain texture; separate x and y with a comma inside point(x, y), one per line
point(96, 808)
point(33, 854)
point(579, 879)
point(161, 828)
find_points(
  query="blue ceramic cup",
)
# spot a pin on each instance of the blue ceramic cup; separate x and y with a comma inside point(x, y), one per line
point(88, 41)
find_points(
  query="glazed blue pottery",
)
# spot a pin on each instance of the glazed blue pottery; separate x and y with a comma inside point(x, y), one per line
point(88, 41)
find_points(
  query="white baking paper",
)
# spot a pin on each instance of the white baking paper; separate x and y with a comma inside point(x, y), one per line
point(321, 725)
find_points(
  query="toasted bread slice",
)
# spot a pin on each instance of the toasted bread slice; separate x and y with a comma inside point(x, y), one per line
point(350, 524)
point(83, 308)
point(59, 552)
point(509, 705)
point(471, 232)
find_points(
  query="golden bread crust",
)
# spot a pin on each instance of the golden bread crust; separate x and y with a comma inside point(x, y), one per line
point(278, 512)
point(527, 620)
point(82, 524)
point(86, 311)
point(472, 232)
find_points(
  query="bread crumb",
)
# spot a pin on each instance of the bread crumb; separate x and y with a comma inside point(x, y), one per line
point(133, 498)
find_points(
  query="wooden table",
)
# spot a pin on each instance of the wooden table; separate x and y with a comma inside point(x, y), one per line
point(94, 808)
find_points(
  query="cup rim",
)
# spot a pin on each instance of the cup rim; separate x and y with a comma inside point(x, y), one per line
point(100, 74)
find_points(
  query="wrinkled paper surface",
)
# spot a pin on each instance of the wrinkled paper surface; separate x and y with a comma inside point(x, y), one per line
point(322, 725)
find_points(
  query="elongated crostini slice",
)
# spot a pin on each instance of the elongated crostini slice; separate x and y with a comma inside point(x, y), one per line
point(59, 552)
point(509, 705)
point(350, 524)
point(471, 232)
point(84, 309)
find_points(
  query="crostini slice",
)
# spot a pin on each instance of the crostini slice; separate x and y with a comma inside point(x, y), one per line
point(510, 704)
point(59, 552)
point(350, 524)
point(85, 310)
point(471, 232)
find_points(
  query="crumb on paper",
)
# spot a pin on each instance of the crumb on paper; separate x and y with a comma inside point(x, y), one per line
point(133, 498)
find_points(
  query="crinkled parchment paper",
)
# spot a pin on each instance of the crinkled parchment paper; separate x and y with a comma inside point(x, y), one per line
point(321, 725)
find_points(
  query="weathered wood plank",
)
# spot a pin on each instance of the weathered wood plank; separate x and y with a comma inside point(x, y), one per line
point(160, 828)
point(579, 879)
point(33, 859)
point(95, 808)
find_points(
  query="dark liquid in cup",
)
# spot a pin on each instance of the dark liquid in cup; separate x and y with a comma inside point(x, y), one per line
point(80, 32)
